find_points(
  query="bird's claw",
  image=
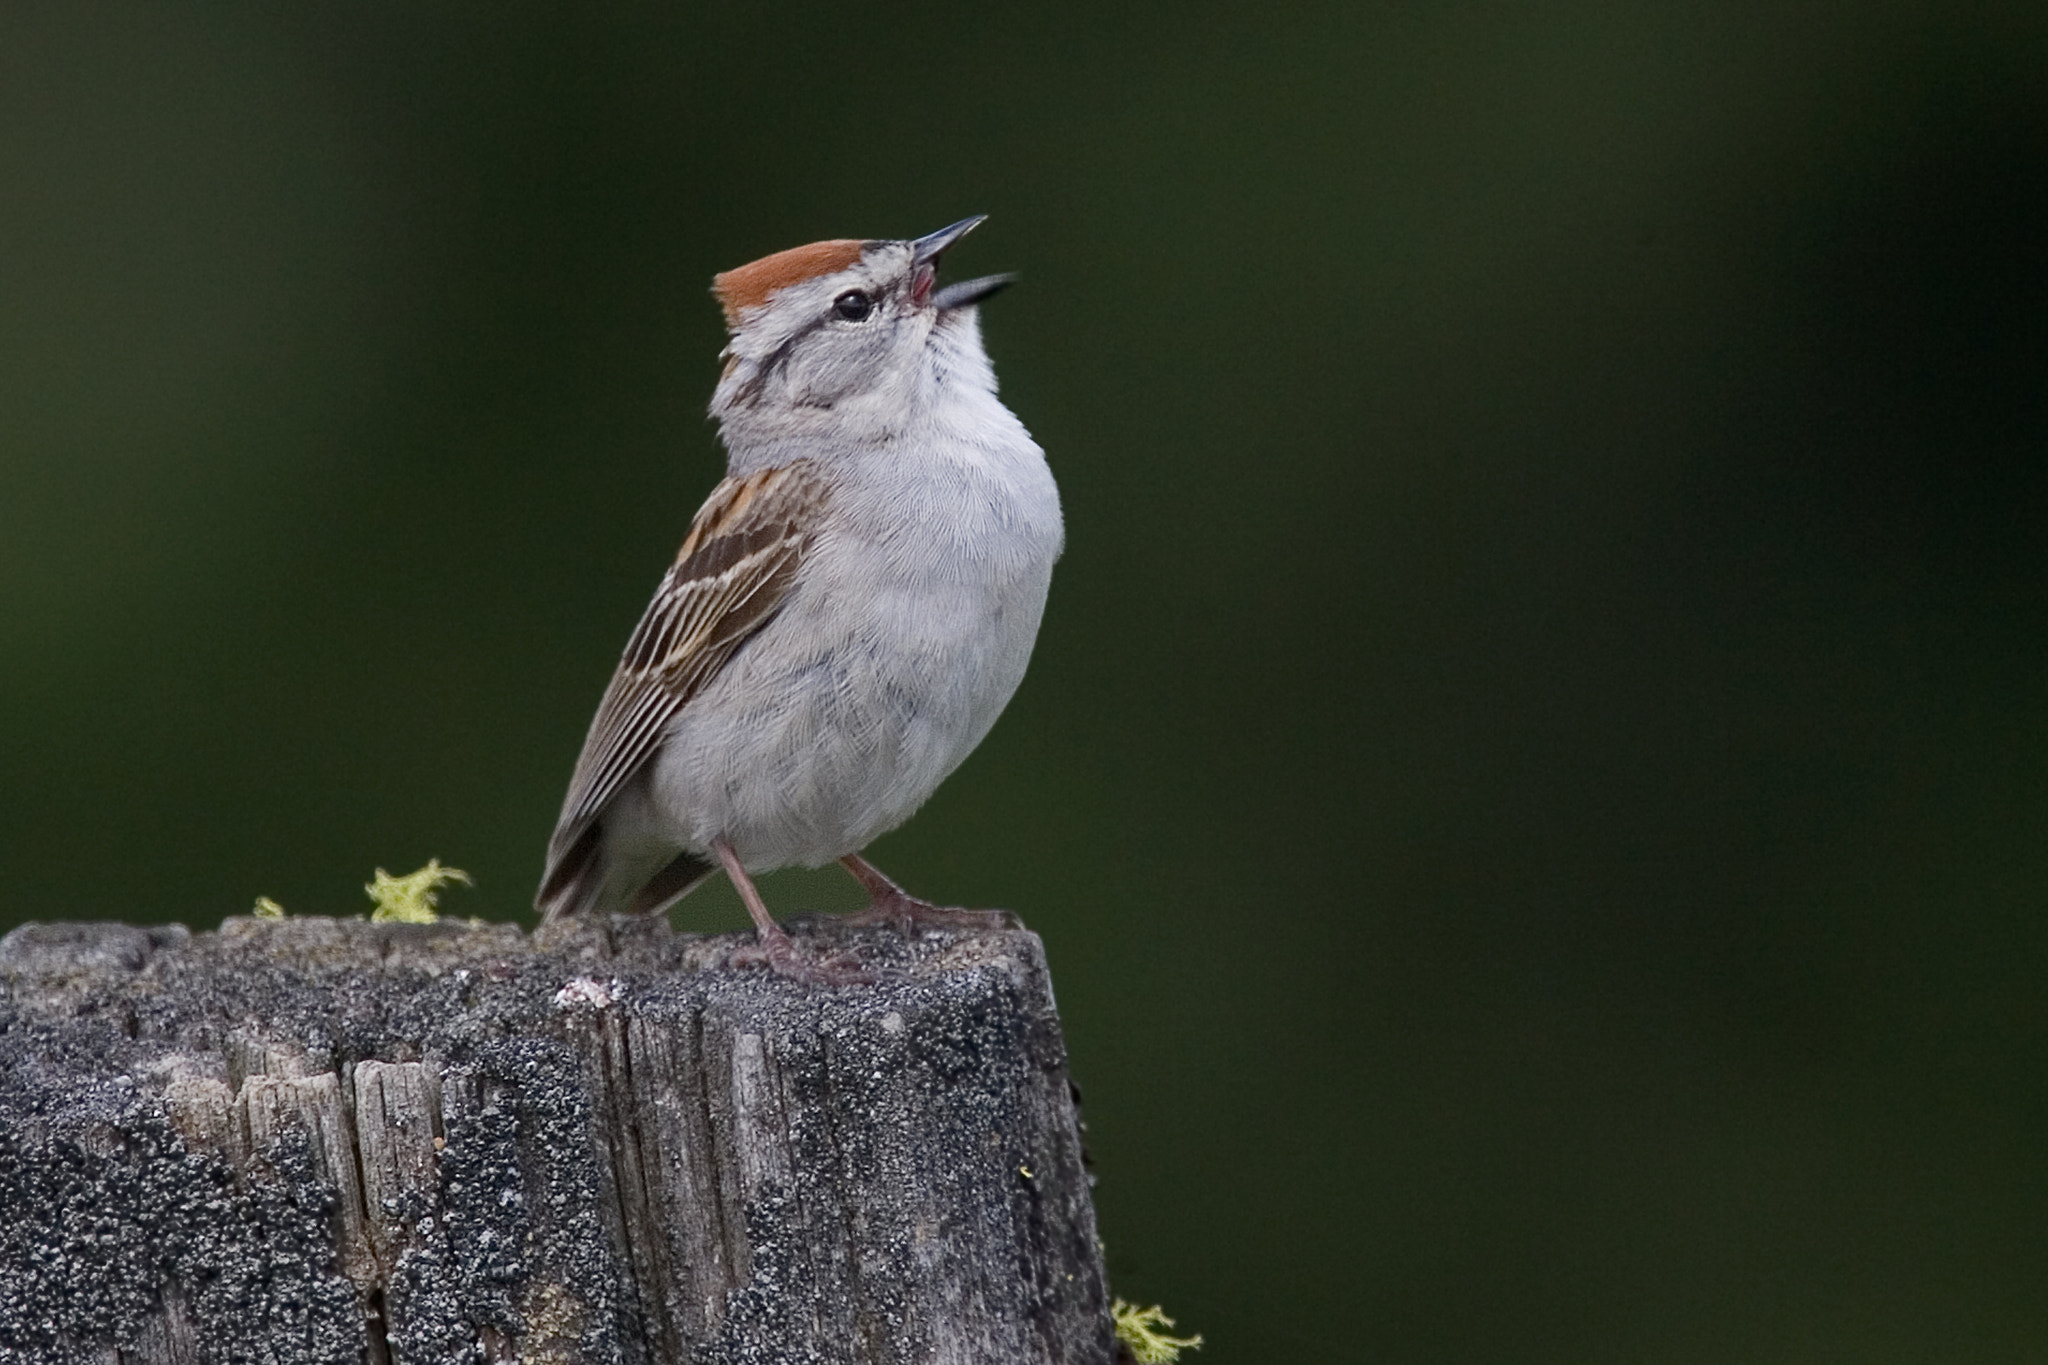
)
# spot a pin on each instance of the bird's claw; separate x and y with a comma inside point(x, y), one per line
point(780, 955)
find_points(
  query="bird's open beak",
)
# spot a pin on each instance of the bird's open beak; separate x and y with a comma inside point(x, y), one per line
point(970, 291)
point(927, 250)
point(925, 253)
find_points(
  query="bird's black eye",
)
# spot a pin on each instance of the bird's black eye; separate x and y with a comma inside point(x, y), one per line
point(853, 305)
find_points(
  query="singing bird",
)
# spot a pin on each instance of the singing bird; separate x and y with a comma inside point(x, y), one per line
point(851, 610)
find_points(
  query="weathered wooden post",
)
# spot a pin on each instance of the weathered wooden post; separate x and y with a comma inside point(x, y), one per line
point(311, 1140)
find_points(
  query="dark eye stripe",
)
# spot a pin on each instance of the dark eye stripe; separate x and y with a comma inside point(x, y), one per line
point(750, 390)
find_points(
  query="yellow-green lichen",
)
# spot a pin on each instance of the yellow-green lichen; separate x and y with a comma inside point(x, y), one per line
point(266, 908)
point(410, 899)
point(1138, 1329)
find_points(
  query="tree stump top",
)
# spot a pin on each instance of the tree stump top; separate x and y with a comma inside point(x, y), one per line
point(326, 1140)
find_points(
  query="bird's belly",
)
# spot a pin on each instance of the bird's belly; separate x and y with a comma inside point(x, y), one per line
point(833, 725)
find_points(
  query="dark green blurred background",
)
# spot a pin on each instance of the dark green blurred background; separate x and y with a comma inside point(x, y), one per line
point(1533, 778)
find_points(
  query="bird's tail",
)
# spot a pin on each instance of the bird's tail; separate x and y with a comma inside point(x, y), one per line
point(582, 880)
point(574, 881)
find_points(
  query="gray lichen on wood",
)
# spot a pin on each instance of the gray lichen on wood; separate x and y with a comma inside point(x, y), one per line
point(311, 1140)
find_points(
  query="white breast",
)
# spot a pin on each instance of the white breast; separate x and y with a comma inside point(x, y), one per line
point(901, 641)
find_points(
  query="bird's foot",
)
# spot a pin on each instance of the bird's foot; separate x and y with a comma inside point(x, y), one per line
point(773, 945)
point(907, 914)
point(776, 951)
point(890, 904)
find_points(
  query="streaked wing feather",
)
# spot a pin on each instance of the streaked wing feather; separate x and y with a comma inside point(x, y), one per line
point(742, 553)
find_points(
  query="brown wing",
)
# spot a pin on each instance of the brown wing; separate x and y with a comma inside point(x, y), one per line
point(742, 553)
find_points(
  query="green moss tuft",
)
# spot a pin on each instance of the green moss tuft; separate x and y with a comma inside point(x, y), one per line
point(410, 899)
point(1138, 1329)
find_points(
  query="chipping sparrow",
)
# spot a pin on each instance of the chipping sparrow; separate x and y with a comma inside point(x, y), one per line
point(852, 607)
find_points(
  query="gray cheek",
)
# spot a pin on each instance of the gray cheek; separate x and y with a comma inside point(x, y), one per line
point(830, 367)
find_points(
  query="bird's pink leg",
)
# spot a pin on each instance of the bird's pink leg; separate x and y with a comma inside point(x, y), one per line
point(889, 903)
point(776, 948)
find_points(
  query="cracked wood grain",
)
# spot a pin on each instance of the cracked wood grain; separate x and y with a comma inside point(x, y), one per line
point(317, 1140)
